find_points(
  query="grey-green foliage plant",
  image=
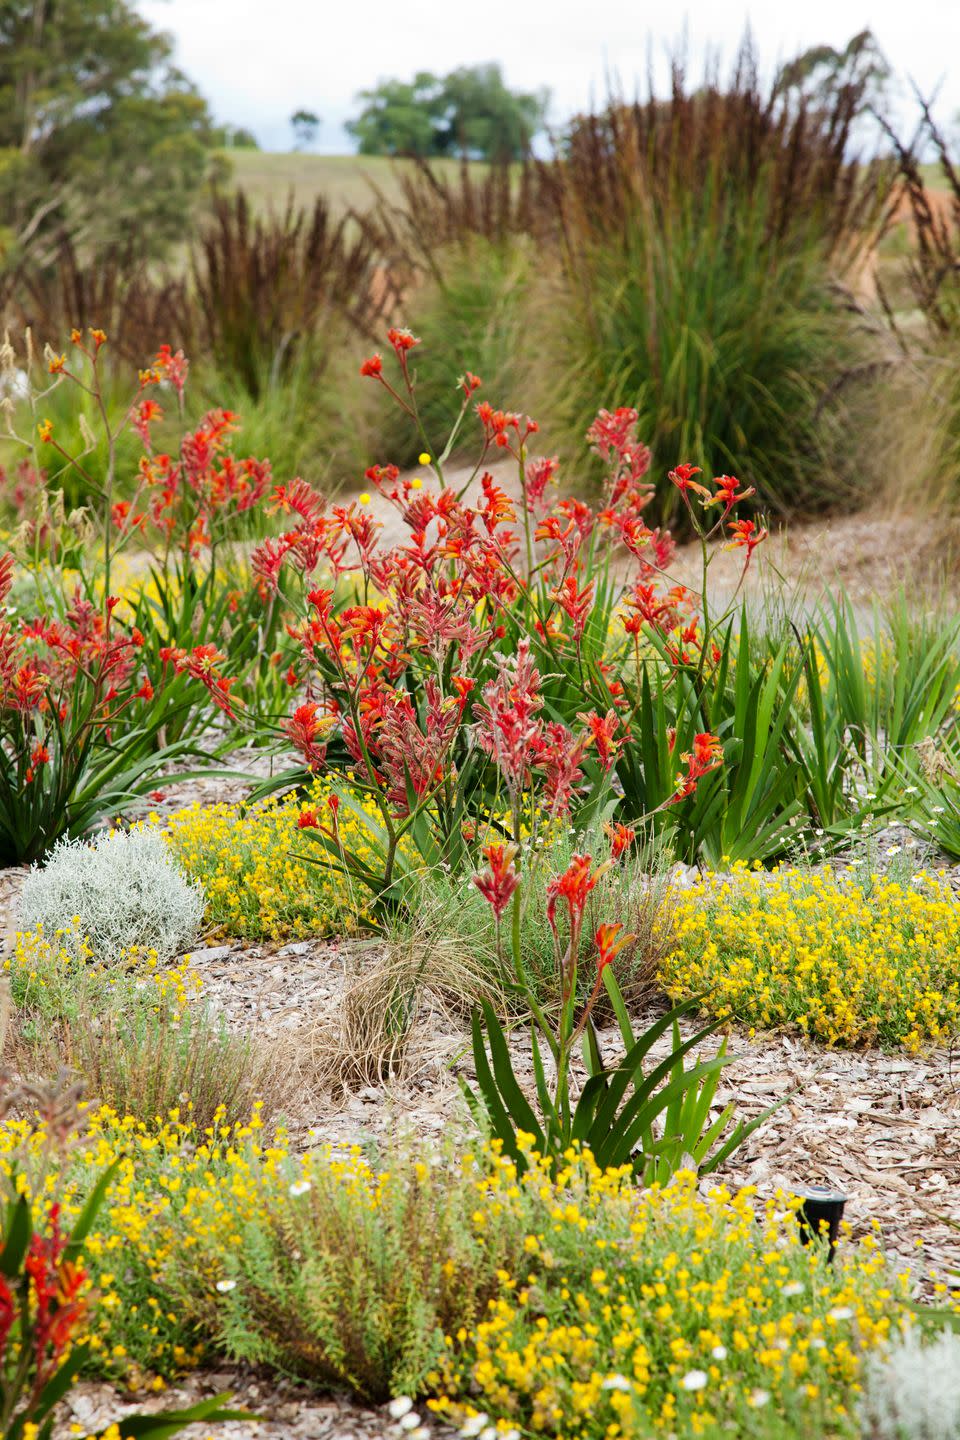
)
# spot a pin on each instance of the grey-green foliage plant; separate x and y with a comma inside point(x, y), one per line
point(911, 1389)
point(119, 891)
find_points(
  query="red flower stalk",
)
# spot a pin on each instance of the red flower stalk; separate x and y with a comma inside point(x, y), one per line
point(539, 473)
point(682, 477)
point(558, 758)
point(372, 367)
point(609, 942)
point(172, 367)
point(142, 417)
point(602, 729)
point(410, 757)
point(402, 340)
point(575, 603)
point(573, 886)
point(508, 724)
point(727, 494)
point(609, 435)
point(707, 755)
point(621, 838)
point(746, 534)
point(304, 731)
point(500, 879)
point(201, 663)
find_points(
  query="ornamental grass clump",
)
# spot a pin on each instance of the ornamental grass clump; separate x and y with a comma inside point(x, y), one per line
point(137, 1034)
point(123, 890)
point(846, 959)
point(687, 249)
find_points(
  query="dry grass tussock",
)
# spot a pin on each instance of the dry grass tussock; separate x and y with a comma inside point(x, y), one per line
point(377, 1028)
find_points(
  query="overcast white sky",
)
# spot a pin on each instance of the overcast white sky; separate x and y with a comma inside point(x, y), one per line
point(258, 60)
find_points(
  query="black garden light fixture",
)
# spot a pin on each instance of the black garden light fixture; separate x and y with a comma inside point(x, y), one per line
point(820, 1214)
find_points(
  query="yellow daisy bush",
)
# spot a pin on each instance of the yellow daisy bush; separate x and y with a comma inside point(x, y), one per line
point(569, 1305)
point(669, 1311)
point(848, 959)
point(49, 975)
point(264, 878)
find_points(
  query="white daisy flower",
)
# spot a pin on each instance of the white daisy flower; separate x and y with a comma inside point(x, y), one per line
point(694, 1380)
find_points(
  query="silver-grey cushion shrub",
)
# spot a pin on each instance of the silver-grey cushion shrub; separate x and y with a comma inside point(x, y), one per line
point(124, 888)
point(912, 1391)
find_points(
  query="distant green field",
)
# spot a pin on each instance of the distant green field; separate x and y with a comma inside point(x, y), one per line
point(933, 176)
point(347, 181)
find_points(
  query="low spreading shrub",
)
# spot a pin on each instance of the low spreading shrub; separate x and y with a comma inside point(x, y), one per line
point(912, 1391)
point(670, 1312)
point(552, 1303)
point(121, 891)
point(846, 958)
point(47, 1307)
point(135, 1032)
point(54, 978)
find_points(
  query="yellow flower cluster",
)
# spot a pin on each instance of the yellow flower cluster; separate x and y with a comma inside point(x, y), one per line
point(265, 879)
point(606, 1300)
point(149, 1223)
point(846, 959)
point(43, 972)
point(665, 1311)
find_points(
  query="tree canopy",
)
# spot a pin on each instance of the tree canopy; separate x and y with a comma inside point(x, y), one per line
point(470, 112)
point(306, 124)
point(98, 129)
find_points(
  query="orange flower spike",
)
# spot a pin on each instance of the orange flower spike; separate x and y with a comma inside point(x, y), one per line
point(746, 535)
point(621, 838)
point(682, 477)
point(500, 880)
point(609, 942)
point(573, 886)
point(727, 494)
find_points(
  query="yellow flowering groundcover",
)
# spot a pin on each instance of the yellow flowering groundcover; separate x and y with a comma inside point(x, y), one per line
point(847, 958)
point(669, 1311)
point(50, 976)
point(263, 877)
point(571, 1305)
